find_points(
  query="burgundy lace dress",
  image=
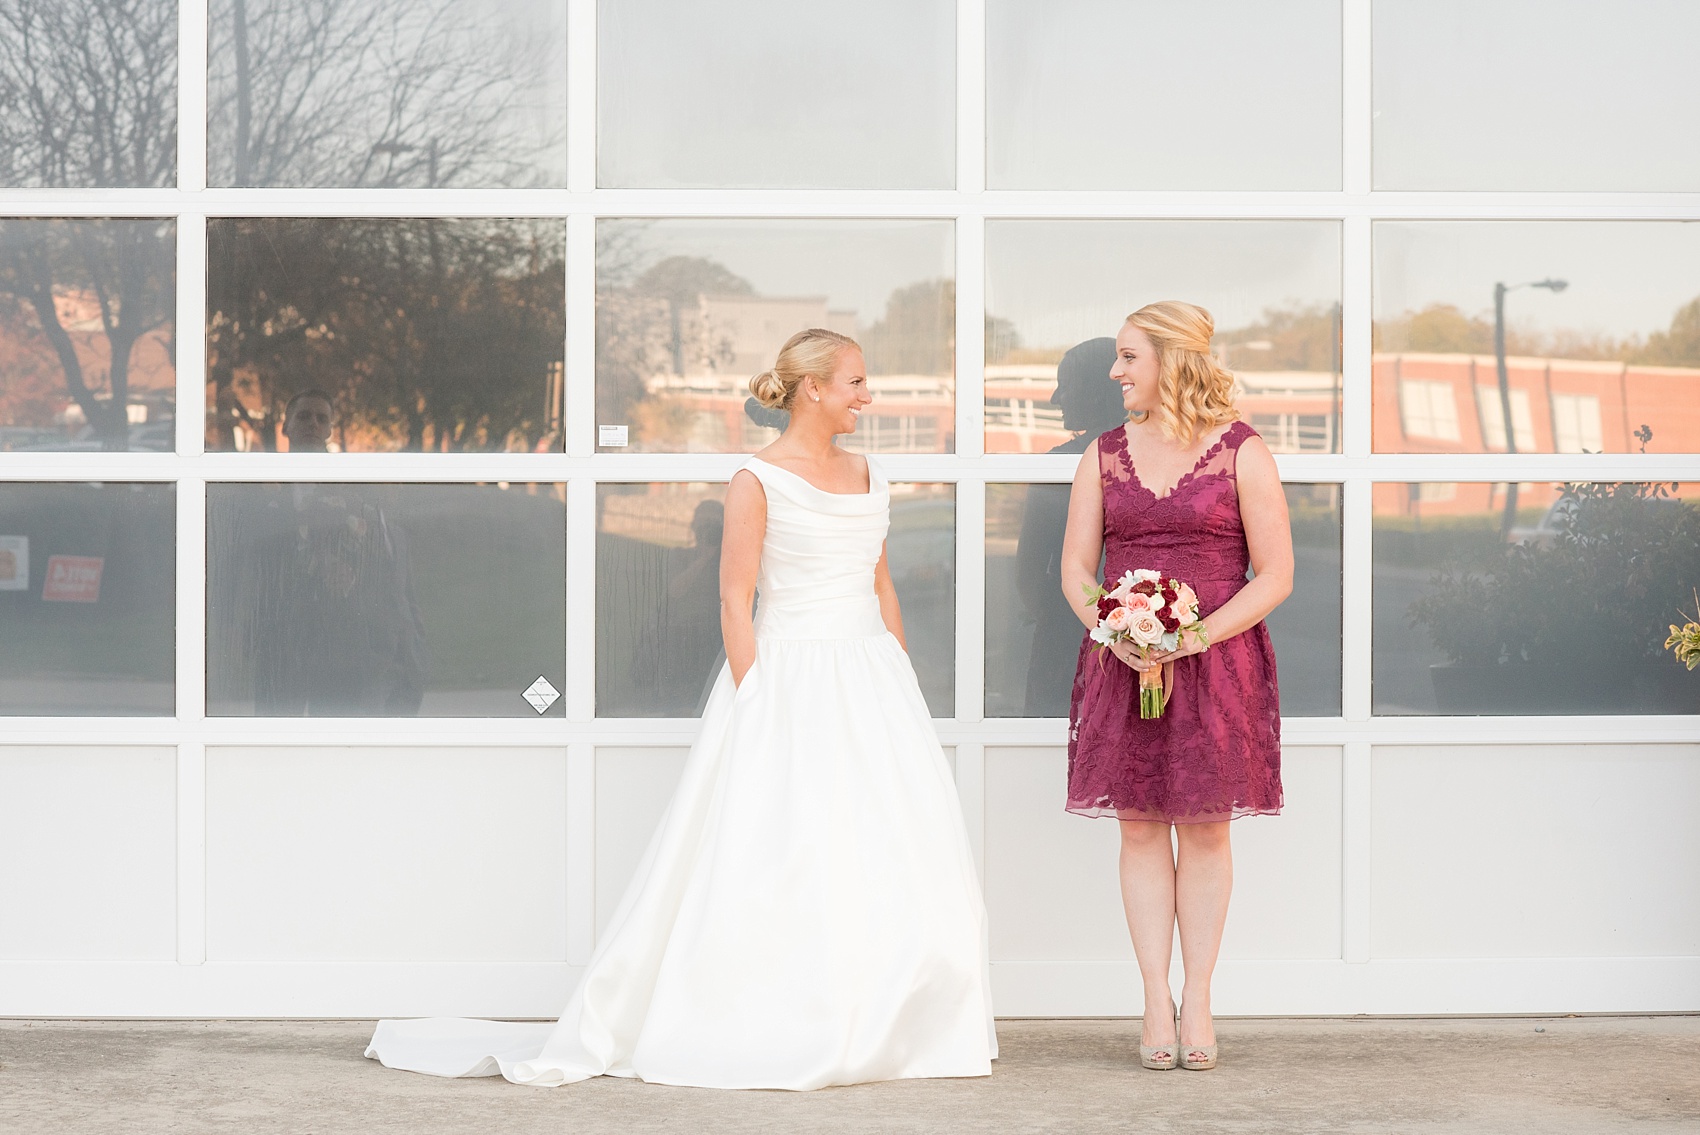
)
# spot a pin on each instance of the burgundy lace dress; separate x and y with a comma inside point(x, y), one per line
point(1216, 752)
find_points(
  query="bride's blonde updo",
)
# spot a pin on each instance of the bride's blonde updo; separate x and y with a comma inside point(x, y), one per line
point(812, 352)
point(1195, 392)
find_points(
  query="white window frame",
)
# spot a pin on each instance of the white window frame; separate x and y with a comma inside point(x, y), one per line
point(1354, 206)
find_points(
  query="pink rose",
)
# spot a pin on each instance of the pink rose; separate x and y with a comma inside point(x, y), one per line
point(1145, 628)
point(1138, 602)
point(1118, 620)
point(1185, 606)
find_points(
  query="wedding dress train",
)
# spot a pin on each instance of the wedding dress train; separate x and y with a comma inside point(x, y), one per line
point(808, 912)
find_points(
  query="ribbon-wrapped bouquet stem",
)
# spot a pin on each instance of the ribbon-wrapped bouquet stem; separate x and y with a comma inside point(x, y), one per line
point(1152, 613)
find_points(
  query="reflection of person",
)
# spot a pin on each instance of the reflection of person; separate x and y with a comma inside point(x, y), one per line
point(337, 630)
point(1188, 490)
point(808, 912)
point(690, 634)
point(1091, 403)
point(307, 422)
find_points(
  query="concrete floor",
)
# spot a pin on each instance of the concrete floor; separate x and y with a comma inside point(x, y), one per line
point(1552, 1076)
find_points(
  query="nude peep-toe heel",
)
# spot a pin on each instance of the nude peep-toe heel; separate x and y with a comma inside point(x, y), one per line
point(1148, 1057)
point(1206, 1058)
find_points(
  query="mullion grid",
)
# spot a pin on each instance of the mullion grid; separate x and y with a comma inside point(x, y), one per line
point(1355, 206)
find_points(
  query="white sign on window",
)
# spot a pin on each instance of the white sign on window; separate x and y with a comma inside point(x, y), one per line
point(14, 563)
point(611, 435)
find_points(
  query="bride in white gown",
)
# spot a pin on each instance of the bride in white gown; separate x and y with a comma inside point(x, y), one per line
point(808, 912)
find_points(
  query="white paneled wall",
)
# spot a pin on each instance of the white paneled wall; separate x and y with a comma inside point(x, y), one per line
point(89, 837)
point(358, 880)
point(375, 854)
point(1536, 851)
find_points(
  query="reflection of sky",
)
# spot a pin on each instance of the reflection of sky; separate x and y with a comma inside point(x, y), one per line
point(855, 264)
point(777, 93)
point(1536, 94)
point(1626, 277)
point(1211, 94)
point(1064, 281)
point(541, 26)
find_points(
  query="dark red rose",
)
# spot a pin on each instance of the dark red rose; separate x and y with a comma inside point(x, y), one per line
point(1169, 595)
point(1145, 587)
point(1106, 605)
point(1170, 623)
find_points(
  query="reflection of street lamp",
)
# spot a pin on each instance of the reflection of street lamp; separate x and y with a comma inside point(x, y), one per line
point(1499, 291)
point(395, 148)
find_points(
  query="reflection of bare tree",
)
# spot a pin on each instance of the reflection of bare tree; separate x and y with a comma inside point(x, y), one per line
point(125, 266)
point(88, 92)
point(88, 97)
point(369, 93)
point(430, 334)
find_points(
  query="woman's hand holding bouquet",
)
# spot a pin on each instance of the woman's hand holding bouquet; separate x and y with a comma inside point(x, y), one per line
point(1156, 620)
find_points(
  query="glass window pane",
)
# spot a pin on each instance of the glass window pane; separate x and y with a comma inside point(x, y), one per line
point(1072, 86)
point(921, 552)
point(1272, 286)
point(658, 645)
point(88, 336)
point(345, 600)
point(1601, 336)
point(1533, 598)
point(688, 310)
point(443, 335)
point(658, 648)
point(1033, 638)
point(386, 93)
point(88, 584)
point(1535, 95)
point(776, 94)
point(90, 94)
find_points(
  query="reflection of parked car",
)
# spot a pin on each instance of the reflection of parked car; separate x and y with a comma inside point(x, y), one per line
point(154, 437)
point(15, 438)
point(1545, 532)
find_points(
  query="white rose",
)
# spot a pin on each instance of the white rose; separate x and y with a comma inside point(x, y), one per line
point(1145, 628)
point(1146, 575)
point(1124, 586)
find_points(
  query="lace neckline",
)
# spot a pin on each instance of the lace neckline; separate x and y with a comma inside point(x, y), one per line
point(1186, 478)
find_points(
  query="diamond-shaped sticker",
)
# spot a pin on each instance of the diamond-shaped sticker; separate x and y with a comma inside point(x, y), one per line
point(541, 694)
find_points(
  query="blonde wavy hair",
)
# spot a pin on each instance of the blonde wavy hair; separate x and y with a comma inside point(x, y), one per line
point(812, 352)
point(1196, 393)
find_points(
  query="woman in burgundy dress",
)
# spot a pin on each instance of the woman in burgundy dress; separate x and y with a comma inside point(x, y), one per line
point(1187, 489)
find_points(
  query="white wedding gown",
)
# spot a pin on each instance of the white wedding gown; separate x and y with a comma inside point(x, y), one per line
point(808, 912)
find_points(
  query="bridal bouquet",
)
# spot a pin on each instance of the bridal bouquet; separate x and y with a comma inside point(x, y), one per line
point(1152, 613)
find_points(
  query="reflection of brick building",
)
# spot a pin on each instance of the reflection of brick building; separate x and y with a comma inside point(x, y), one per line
point(726, 339)
point(1433, 403)
point(1295, 411)
point(1451, 404)
point(742, 334)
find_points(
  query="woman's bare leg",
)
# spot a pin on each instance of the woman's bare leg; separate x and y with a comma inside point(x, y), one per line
point(1204, 878)
point(1148, 896)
